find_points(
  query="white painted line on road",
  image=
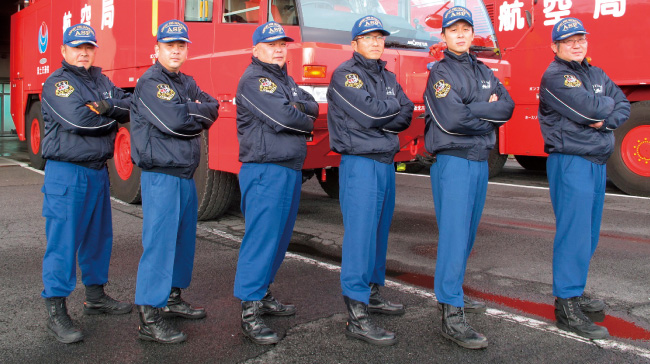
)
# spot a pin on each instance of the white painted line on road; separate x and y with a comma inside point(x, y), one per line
point(525, 321)
point(531, 187)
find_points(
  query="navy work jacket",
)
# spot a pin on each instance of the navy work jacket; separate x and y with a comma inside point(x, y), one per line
point(367, 108)
point(459, 120)
point(73, 132)
point(269, 127)
point(166, 122)
point(573, 96)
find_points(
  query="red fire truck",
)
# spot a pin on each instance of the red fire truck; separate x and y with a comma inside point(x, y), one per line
point(221, 32)
point(617, 44)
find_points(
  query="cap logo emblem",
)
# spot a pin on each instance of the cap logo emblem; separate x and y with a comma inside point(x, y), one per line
point(571, 81)
point(165, 92)
point(273, 28)
point(266, 85)
point(442, 89)
point(63, 89)
point(456, 12)
point(353, 80)
point(370, 21)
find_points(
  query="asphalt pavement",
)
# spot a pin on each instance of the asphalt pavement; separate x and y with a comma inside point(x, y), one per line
point(308, 278)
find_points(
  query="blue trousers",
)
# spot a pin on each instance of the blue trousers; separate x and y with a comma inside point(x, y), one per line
point(77, 211)
point(270, 195)
point(169, 209)
point(367, 197)
point(459, 188)
point(577, 189)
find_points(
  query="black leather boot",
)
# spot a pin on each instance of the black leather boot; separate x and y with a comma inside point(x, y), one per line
point(456, 328)
point(588, 304)
point(378, 304)
point(154, 327)
point(471, 306)
point(177, 307)
point(252, 325)
point(98, 302)
point(59, 322)
point(570, 317)
point(271, 306)
point(360, 327)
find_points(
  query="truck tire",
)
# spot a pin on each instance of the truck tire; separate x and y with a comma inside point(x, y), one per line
point(531, 163)
point(123, 174)
point(34, 131)
point(629, 165)
point(496, 160)
point(331, 183)
point(216, 190)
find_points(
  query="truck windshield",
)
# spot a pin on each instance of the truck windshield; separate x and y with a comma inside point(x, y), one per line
point(331, 21)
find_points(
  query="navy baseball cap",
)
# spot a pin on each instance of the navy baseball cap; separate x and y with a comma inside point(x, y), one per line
point(79, 34)
point(567, 27)
point(455, 14)
point(173, 30)
point(269, 32)
point(368, 24)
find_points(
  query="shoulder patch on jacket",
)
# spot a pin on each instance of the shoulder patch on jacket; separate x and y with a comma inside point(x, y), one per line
point(353, 80)
point(63, 89)
point(165, 92)
point(442, 88)
point(571, 81)
point(266, 85)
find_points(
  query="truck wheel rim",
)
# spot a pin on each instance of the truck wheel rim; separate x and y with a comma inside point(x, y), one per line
point(35, 136)
point(635, 150)
point(123, 164)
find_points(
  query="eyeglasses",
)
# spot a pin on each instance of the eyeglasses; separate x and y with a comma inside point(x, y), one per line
point(573, 42)
point(379, 38)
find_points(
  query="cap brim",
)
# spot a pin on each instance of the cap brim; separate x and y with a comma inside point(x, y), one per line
point(274, 38)
point(451, 22)
point(565, 36)
point(173, 39)
point(77, 43)
point(366, 31)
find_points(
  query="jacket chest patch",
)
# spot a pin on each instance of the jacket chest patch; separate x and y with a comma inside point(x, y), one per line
point(63, 89)
point(390, 91)
point(353, 80)
point(571, 81)
point(598, 89)
point(442, 88)
point(485, 85)
point(165, 92)
point(267, 85)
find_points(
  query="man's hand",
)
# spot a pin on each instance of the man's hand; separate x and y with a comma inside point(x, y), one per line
point(298, 105)
point(597, 125)
point(99, 107)
point(493, 98)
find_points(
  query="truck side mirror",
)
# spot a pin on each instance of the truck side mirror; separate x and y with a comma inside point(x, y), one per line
point(529, 19)
point(433, 21)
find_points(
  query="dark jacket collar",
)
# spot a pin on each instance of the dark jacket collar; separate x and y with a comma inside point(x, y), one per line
point(92, 73)
point(172, 75)
point(462, 58)
point(573, 64)
point(371, 65)
point(274, 69)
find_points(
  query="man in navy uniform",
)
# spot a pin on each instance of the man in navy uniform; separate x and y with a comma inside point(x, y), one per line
point(81, 108)
point(367, 108)
point(168, 114)
point(579, 108)
point(465, 104)
point(274, 118)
